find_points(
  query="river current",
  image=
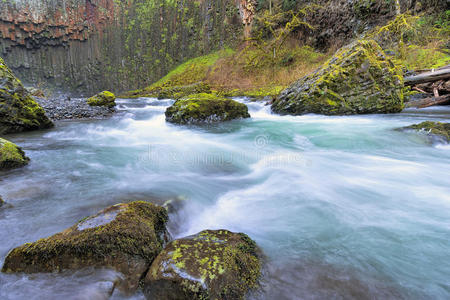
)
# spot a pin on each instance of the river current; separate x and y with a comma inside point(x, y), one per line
point(343, 207)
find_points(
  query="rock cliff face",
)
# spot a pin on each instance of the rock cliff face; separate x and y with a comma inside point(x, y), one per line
point(89, 45)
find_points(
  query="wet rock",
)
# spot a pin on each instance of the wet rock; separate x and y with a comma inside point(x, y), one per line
point(18, 110)
point(437, 130)
point(209, 265)
point(11, 156)
point(104, 98)
point(358, 79)
point(1, 201)
point(124, 237)
point(204, 109)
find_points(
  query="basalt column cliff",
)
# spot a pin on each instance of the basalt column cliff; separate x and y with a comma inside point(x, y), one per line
point(85, 46)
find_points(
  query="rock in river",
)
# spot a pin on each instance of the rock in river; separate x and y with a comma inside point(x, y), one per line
point(104, 98)
point(11, 156)
point(18, 110)
point(204, 109)
point(434, 129)
point(125, 237)
point(209, 265)
point(358, 79)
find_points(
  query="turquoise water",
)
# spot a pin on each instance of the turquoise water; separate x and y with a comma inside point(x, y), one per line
point(343, 207)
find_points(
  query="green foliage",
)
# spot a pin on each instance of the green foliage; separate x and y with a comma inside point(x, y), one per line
point(184, 79)
point(416, 42)
point(192, 71)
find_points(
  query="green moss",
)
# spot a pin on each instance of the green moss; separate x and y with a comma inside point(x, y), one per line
point(209, 265)
point(205, 108)
point(11, 156)
point(184, 77)
point(104, 98)
point(441, 130)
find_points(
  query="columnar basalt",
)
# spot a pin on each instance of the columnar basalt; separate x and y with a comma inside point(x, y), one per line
point(86, 46)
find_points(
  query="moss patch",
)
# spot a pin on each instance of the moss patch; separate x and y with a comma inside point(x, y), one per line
point(11, 156)
point(104, 98)
point(205, 108)
point(209, 265)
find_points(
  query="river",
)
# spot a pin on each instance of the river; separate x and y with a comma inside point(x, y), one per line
point(343, 207)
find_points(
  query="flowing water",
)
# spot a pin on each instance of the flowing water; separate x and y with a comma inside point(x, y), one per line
point(343, 207)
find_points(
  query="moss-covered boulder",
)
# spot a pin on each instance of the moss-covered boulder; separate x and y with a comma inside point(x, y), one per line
point(434, 129)
point(104, 98)
point(358, 79)
point(18, 110)
point(209, 265)
point(11, 156)
point(204, 109)
point(125, 237)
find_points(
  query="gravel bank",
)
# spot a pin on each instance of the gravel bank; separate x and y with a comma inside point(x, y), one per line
point(63, 108)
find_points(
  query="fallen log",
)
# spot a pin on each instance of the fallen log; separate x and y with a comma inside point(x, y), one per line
point(427, 102)
point(442, 74)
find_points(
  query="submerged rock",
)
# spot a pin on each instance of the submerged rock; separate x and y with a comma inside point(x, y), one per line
point(104, 98)
point(11, 156)
point(209, 265)
point(436, 129)
point(18, 110)
point(204, 109)
point(125, 237)
point(1, 201)
point(358, 79)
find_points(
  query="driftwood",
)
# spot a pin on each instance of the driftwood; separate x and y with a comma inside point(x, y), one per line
point(427, 102)
point(432, 76)
point(434, 84)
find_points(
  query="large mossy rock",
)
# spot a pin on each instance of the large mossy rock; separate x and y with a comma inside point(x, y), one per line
point(11, 156)
point(204, 109)
point(358, 79)
point(434, 129)
point(18, 110)
point(125, 237)
point(104, 98)
point(209, 265)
